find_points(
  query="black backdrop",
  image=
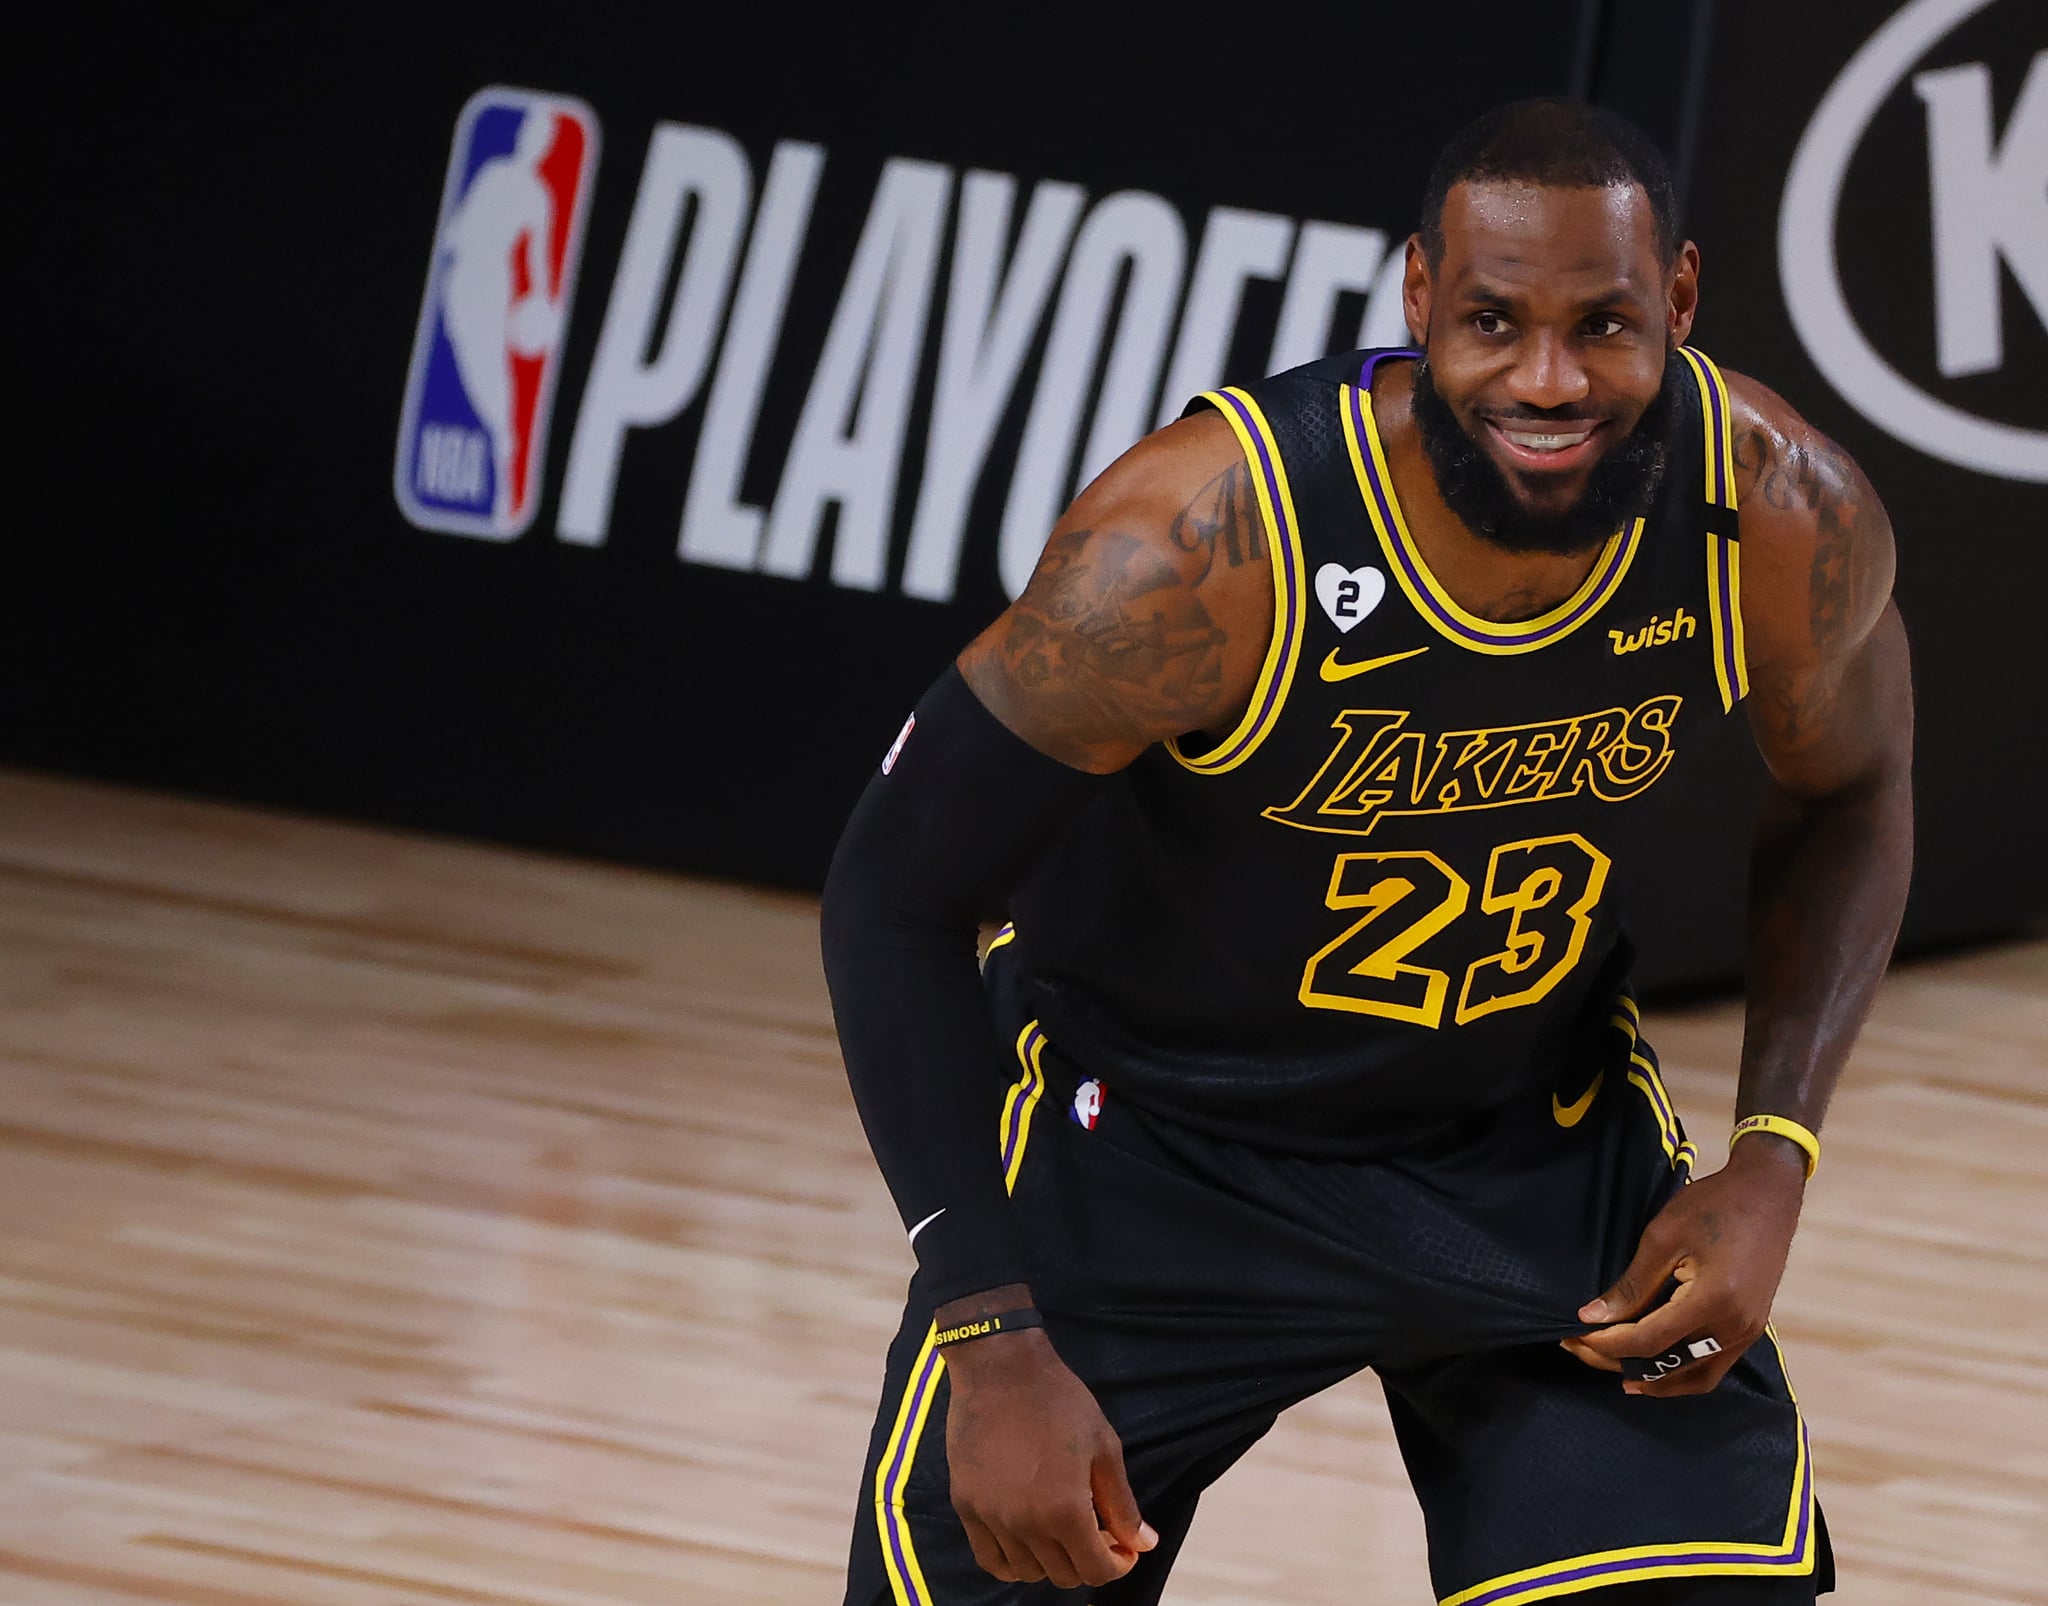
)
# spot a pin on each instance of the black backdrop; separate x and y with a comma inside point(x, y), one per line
point(227, 238)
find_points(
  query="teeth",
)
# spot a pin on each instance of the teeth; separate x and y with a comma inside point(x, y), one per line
point(1544, 441)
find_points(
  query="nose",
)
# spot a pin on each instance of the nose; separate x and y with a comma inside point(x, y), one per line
point(1549, 375)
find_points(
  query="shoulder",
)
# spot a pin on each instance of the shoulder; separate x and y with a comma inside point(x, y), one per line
point(1818, 554)
point(1148, 612)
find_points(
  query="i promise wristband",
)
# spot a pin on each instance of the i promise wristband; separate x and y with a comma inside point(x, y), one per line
point(1009, 1321)
point(1778, 1126)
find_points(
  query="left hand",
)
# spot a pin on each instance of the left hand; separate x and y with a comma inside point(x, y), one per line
point(1725, 1239)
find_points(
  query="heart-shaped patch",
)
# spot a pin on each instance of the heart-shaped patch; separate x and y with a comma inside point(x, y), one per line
point(1348, 595)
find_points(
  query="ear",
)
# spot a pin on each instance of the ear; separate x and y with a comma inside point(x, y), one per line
point(1682, 299)
point(1416, 292)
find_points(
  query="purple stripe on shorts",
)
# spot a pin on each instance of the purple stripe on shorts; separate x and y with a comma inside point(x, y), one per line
point(1014, 1126)
point(898, 1542)
point(1792, 1559)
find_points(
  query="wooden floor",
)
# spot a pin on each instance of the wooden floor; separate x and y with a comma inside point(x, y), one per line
point(386, 1220)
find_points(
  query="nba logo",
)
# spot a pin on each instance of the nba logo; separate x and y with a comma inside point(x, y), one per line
point(1087, 1106)
point(488, 348)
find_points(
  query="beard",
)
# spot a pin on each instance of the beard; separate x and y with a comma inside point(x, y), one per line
point(1619, 491)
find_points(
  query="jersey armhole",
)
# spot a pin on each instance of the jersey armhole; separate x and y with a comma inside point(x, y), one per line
point(1724, 530)
point(1283, 546)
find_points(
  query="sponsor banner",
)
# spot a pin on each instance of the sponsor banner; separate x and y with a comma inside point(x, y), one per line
point(1872, 204)
point(1985, 226)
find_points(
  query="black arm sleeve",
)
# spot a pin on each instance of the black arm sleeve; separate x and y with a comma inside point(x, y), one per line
point(934, 847)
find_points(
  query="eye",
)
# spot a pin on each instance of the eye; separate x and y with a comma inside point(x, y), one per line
point(1490, 323)
point(1603, 325)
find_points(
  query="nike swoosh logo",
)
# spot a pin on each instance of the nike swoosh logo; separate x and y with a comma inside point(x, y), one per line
point(1332, 670)
point(1569, 1115)
point(934, 1216)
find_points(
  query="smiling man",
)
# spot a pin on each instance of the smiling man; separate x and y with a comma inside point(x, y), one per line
point(1310, 770)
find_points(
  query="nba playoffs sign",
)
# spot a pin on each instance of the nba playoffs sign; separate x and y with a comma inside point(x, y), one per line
point(1987, 217)
point(1138, 312)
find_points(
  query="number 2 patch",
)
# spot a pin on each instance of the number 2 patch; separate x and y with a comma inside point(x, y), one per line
point(1348, 595)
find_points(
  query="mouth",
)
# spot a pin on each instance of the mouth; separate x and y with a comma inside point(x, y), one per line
point(1546, 448)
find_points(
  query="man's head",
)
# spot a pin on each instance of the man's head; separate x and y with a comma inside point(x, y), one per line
point(1547, 287)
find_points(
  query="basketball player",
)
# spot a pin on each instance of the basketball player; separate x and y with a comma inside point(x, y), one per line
point(1313, 768)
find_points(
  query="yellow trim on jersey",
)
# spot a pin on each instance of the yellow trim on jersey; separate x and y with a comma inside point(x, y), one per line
point(1731, 653)
point(1646, 1078)
point(1717, 416)
point(899, 1452)
point(1735, 619)
point(1427, 594)
point(1023, 1100)
point(1290, 586)
point(1724, 551)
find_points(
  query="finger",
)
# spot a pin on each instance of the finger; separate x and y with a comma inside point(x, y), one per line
point(1686, 1306)
point(1637, 1286)
point(1116, 1507)
point(989, 1554)
point(1084, 1552)
point(1667, 1327)
point(1592, 1357)
point(1062, 1571)
point(1702, 1377)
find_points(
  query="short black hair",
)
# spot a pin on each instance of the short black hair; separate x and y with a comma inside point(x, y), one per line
point(1554, 142)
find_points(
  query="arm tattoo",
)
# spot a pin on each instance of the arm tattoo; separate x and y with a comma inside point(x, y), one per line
point(1851, 538)
point(1223, 519)
point(1823, 481)
point(1108, 644)
point(1112, 642)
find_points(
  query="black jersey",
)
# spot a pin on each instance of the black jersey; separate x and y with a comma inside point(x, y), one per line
point(1390, 895)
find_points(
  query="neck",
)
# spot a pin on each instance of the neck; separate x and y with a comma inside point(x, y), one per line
point(1499, 586)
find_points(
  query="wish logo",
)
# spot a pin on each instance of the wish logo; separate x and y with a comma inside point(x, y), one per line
point(1655, 631)
point(1984, 217)
point(488, 346)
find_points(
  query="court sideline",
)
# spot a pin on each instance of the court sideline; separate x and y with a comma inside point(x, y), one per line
point(387, 1219)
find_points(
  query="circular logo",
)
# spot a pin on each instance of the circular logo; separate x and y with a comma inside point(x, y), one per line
point(1812, 279)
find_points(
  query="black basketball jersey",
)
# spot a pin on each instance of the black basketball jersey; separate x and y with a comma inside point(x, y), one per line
point(1390, 894)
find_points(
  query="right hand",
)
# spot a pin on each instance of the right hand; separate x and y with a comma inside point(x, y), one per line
point(1037, 1471)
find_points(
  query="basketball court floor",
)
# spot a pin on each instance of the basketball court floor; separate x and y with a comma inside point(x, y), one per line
point(387, 1221)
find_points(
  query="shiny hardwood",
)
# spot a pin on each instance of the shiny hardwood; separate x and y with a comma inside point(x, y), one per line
point(394, 1220)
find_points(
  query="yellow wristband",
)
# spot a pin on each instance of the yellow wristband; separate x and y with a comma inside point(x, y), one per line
point(1778, 1126)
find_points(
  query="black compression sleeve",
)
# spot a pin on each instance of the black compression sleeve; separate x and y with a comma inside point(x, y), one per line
point(935, 845)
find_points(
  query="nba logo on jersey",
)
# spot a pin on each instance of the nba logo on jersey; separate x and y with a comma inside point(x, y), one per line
point(473, 440)
point(1087, 1106)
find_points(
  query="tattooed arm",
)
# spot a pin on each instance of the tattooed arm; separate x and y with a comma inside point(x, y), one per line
point(1831, 707)
point(1149, 614)
point(1148, 617)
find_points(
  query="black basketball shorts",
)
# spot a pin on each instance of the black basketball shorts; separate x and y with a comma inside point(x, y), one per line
point(1200, 1287)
